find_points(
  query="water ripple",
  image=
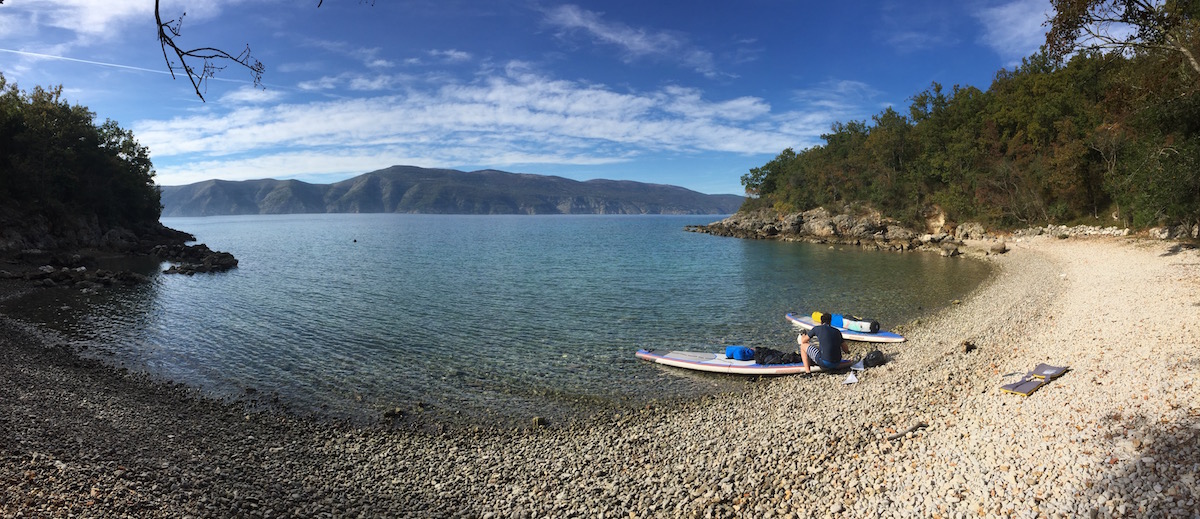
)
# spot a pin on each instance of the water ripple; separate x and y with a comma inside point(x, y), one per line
point(498, 317)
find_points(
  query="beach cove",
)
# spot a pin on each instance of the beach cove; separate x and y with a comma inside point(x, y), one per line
point(1116, 435)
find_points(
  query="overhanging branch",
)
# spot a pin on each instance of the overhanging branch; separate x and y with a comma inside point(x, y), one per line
point(185, 61)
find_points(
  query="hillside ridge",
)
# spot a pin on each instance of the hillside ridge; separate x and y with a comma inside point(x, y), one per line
point(411, 189)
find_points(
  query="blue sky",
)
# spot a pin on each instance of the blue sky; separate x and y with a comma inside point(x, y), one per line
point(688, 93)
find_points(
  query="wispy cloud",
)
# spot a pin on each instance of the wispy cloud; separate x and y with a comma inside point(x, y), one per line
point(837, 98)
point(95, 20)
point(909, 28)
point(817, 108)
point(251, 95)
point(516, 117)
point(356, 82)
point(368, 56)
point(90, 21)
point(637, 43)
point(452, 55)
point(1014, 30)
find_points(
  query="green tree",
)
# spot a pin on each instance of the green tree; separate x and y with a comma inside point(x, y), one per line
point(1126, 26)
point(56, 162)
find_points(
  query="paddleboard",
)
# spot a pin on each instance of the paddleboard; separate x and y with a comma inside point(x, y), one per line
point(717, 363)
point(806, 322)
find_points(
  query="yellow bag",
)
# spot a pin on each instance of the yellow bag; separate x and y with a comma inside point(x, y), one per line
point(816, 316)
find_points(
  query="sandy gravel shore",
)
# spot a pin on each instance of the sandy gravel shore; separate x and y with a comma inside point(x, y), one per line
point(1117, 435)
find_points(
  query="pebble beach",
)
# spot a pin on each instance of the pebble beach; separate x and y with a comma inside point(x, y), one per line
point(929, 434)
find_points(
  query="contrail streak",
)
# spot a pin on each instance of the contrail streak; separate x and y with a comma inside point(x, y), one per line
point(113, 65)
point(77, 60)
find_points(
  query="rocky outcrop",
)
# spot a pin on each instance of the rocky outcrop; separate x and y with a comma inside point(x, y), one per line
point(40, 233)
point(192, 259)
point(78, 277)
point(859, 227)
point(1062, 231)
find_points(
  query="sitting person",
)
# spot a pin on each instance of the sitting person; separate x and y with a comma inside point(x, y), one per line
point(827, 353)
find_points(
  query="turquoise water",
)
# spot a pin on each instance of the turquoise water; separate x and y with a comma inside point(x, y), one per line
point(484, 318)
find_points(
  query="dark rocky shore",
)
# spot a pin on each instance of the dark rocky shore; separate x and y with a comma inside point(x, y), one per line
point(67, 255)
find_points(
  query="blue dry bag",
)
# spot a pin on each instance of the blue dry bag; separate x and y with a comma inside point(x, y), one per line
point(739, 353)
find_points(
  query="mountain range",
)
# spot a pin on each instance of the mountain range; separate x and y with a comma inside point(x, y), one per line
point(410, 189)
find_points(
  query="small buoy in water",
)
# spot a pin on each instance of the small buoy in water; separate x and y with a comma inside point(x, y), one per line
point(356, 240)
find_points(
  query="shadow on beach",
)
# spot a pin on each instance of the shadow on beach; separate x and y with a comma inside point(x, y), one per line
point(1160, 479)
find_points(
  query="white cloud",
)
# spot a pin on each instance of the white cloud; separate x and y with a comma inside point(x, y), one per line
point(100, 20)
point(451, 55)
point(510, 119)
point(909, 27)
point(322, 83)
point(375, 83)
point(687, 102)
point(637, 43)
point(832, 101)
point(90, 20)
point(356, 82)
point(302, 66)
point(368, 56)
point(837, 98)
point(915, 40)
point(1014, 30)
point(251, 95)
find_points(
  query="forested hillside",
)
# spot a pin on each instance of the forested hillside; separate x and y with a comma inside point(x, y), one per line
point(66, 181)
point(1104, 138)
point(410, 189)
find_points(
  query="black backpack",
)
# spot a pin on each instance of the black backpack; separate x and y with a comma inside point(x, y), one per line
point(767, 356)
point(875, 358)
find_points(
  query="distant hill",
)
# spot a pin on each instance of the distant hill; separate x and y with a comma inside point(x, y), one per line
point(409, 189)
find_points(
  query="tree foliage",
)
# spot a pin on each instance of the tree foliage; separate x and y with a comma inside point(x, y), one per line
point(57, 162)
point(1127, 26)
point(1105, 138)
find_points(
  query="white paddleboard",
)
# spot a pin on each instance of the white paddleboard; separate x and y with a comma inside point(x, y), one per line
point(806, 322)
point(717, 363)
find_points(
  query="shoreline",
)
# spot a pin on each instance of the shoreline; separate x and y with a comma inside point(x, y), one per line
point(1116, 435)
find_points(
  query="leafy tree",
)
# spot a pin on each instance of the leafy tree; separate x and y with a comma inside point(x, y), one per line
point(1126, 26)
point(1104, 135)
point(56, 162)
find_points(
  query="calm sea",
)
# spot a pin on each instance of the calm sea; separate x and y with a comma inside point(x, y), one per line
point(481, 319)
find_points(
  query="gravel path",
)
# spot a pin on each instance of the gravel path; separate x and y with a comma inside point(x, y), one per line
point(1117, 435)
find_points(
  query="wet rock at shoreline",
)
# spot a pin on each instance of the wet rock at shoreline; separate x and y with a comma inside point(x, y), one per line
point(78, 277)
point(194, 259)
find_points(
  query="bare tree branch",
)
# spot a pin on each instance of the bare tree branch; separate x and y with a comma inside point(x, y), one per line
point(185, 61)
point(207, 56)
